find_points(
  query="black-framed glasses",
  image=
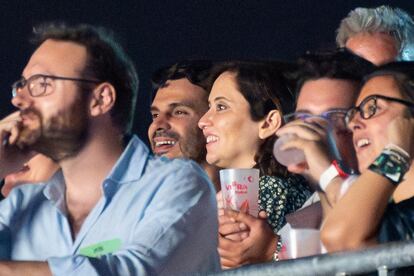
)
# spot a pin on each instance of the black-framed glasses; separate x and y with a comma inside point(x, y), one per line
point(368, 107)
point(39, 84)
point(336, 117)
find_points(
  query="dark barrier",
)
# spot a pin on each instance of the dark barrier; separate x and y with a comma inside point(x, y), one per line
point(381, 258)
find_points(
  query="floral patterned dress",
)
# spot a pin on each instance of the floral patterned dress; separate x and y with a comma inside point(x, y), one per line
point(279, 196)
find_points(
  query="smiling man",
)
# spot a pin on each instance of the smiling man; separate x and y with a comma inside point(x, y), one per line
point(113, 208)
point(180, 99)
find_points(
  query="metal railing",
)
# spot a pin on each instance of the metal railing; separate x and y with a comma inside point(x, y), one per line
point(381, 259)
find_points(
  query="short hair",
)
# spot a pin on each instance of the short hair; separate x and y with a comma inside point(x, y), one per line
point(197, 72)
point(106, 61)
point(265, 87)
point(334, 64)
point(384, 19)
point(403, 74)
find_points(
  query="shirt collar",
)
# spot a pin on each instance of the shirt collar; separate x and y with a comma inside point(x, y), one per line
point(129, 167)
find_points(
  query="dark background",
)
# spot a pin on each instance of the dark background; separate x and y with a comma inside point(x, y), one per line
point(157, 33)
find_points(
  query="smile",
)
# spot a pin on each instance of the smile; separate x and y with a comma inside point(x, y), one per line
point(165, 142)
point(211, 139)
point(363, 143)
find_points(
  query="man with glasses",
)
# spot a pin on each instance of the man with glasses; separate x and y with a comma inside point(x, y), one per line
point(112, 209)
point(327, 88)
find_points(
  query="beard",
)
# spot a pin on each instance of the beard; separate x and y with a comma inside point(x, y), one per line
point(60, 136)
point(194, 146)
point(191, 146)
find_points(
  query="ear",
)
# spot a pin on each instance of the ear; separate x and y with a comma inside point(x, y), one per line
point(270, 124)
point(103, 99)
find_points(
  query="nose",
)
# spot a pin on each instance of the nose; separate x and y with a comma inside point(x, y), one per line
point(21, 99)
point(356, 123)
point(161, 122)
point(205, 121)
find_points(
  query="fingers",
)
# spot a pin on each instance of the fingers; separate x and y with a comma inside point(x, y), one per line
point(9, 128)
point(219, 198)
point(240, 216)
point(238, 236)
point(230, 250)
point(223, 218)
point(262, 215)
point(232, 228)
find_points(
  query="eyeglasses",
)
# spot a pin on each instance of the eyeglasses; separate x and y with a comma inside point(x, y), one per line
point(336, 117)
point(39, 85)
point(369, 107)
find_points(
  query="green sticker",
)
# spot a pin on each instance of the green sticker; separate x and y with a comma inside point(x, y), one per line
point(101, 248)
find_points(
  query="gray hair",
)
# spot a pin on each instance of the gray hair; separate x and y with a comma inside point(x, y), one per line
point(384, 19)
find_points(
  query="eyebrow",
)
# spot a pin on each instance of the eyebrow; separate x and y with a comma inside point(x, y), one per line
point(221, 98)
point(303, 111)
point(176, 104)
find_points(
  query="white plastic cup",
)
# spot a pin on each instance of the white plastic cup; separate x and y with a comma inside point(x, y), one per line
point(299, 243)
point(289, 156)
point(240, 189)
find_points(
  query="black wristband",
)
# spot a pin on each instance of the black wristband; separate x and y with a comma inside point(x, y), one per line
point(392, 163)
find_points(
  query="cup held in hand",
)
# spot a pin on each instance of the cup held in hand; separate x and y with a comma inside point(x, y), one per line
point(240, 189)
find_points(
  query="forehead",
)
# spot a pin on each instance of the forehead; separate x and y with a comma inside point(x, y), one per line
point(179, 91)
point(320, 95)
point(225, 85)
point(379, 48)
point(381, 85)
point(58, 58)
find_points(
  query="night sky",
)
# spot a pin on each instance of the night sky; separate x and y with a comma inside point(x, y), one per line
point(158, 33)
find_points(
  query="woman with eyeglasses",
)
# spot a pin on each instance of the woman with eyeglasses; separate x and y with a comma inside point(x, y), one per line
point(247, 101)
point(379, 206)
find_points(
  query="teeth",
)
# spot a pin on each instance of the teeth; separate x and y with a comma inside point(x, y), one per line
point(362, 142)
point(211, 139)
point(162, 143)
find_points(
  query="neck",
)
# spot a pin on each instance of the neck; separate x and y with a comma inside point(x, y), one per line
point(85, 173)
point(213, 173)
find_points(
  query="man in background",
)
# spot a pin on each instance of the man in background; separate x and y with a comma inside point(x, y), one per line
point(380, 35)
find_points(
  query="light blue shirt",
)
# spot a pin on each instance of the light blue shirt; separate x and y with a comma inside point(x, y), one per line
point(156, 216)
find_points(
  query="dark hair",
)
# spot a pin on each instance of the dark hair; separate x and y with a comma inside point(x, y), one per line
point(335, 64)
point(402, 72)
point(106, 62)
point(198, 72)
point(265, 87)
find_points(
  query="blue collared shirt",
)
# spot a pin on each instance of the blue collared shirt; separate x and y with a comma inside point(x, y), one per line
point(156, 216)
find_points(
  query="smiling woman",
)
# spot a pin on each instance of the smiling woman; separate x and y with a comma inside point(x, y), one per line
point(247, 102)
point(383, 133)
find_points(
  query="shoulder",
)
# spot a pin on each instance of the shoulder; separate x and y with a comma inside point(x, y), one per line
point(178, 172)
point(21, 198)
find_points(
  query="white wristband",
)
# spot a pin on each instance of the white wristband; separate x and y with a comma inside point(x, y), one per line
point(326, 177)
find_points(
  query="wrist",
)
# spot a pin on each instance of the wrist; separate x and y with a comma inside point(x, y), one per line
point(392, 163)
point(332, 172)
